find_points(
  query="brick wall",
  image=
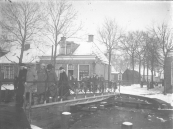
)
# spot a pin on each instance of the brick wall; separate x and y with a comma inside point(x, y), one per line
point(98, 68)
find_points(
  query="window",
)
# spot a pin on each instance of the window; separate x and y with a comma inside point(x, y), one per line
point(8, 72)
point(120, 76)
point(172, 73)
point(68, 51)
point(70, 67)
point(83, 71)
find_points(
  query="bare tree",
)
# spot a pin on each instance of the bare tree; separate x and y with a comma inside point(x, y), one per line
point(153, 56)
point(21, 23)
point(140, 50)
point(60, 22)
point(120, 61)
point(109, 35)
point(131, 45)
point(164, 36)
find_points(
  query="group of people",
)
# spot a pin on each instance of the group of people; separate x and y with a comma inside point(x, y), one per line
point(94, 83)
point(44, 82)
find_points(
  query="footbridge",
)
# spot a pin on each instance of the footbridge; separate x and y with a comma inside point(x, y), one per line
point(49, 112)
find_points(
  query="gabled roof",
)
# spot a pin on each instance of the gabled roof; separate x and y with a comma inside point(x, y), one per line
point(90, 48)
point(29, 56)
point(3, 52)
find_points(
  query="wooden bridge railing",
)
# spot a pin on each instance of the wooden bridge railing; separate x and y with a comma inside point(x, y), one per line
point(77, 87)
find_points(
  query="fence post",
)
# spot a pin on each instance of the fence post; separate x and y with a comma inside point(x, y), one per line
point(65, 117)
point(30, 101)
point(119, 86)
point(126, 125)
point(0, 92)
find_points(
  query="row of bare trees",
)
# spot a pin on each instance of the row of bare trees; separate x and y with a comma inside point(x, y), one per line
point(40, 23)
point(148, 49)
point(28, 22)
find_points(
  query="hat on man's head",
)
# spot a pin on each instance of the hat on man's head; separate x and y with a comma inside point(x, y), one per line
point(61, 68)
point(49, 66)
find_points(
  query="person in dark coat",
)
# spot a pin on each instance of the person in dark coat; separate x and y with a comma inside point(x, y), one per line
point(64, 88)
point(31, 78)
point(74, 84)
point(51, 85)
point(20, 87)
point(94, 81)
point(101, 80)
point(41, 85)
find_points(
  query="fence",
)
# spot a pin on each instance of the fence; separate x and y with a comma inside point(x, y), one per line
point(51, 93)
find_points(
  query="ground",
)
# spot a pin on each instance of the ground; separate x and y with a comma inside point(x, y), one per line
point(156, 92)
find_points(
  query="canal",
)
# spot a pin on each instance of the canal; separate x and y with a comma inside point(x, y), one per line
point(113, 117)
point(110, 115)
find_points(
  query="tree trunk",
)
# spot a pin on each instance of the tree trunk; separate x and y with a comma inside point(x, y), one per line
point(164, 79)
point(152, 69)
point(21, 55)
point(133, 67)
point(109, 66)
point(54, 57)
point(56, 44)
point(144, 71)
point(147, 75)
point(139, 70)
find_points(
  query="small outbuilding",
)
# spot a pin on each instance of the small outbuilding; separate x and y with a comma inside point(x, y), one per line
point(130, 77)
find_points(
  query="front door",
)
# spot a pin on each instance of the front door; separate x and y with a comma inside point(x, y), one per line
point(70, 74)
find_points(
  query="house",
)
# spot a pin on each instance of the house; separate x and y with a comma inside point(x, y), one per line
point(80, 59)
point(9, 62)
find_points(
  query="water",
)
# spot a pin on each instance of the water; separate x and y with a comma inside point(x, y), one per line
point(113, 117)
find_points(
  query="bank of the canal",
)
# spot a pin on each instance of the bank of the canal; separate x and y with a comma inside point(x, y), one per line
point(156, 92)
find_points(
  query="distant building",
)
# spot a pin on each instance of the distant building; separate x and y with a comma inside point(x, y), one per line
point(79, 60)
point(128, 77)
point(114, 74)
point(144, 76)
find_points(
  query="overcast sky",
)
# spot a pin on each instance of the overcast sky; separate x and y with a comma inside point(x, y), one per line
point(130, 15)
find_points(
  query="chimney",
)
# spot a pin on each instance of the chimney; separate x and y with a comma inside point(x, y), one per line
point(90, 38)
point(26, 47)
point(63, 39)
point(63, 46)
